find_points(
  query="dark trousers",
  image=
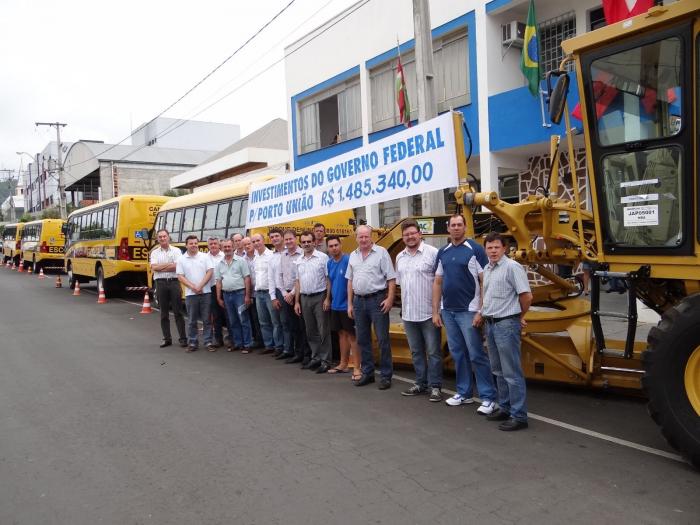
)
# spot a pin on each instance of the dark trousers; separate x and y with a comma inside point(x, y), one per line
point(294, 331)
point(317, 323)
point(255, 324)
point(170, 299)
point(218, 318)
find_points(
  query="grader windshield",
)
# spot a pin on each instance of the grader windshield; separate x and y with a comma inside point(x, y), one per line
point(637, 97)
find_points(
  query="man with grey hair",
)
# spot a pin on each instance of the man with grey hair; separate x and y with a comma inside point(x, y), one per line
point(238, 250)
point(249, 257)
point(371, 287)
point(270, 328)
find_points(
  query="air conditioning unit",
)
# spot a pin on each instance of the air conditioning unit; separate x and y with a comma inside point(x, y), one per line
point(513, 34)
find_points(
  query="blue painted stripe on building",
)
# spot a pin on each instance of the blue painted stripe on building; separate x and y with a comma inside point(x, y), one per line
point(439, 31)
point(319, 155)
point(337, 79)
point(515, 118)
point(496, 4)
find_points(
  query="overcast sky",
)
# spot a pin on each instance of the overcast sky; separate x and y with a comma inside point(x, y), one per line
point(105, 67)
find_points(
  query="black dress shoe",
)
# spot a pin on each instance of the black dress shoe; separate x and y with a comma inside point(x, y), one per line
point(165, 342)
point(283, 356)
point(293, 360)
point(512, 424)
point(267, 351)
point(305, 365)
point(183, 343)
point(366, 379)
point(314, 364)
point(323, 369)
point(498, 415)
point(277, 353)
point(385, 384)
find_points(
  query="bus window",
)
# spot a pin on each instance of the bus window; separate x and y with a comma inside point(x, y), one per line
point(234, 219)
point(174, 223)
point(244, 213)
point(192, 224)
point(108, 222)
point(215, 220)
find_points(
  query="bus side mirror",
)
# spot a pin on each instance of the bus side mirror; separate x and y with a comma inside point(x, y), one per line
point(64, 229)
point(557, 95)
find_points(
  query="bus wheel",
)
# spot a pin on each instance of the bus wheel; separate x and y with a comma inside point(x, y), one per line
point(672, 377)
point(71, 276)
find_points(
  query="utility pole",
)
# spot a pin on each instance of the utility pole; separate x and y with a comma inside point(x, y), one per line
point(433, 202)
point(61, 182)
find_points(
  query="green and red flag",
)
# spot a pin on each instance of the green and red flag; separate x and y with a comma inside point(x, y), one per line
point(402, 96)
point(530, 58)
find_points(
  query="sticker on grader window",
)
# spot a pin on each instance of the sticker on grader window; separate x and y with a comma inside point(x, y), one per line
point(641, 215)
point(640, 198)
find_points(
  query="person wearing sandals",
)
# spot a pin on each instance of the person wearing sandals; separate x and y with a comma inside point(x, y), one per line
point(415, 274)
point(233, 293)
point(337, 302)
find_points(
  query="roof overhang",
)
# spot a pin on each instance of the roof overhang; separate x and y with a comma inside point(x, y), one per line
point(236, 163)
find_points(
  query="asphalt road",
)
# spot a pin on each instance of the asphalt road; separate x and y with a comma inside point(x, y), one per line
point(99, 425)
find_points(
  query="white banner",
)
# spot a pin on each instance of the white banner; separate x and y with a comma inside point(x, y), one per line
point(414, 161)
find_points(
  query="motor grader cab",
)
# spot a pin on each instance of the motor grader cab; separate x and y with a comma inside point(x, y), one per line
point(639, 105)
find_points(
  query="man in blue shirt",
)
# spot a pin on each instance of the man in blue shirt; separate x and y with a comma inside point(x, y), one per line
point(456, 300)
point(337, 302)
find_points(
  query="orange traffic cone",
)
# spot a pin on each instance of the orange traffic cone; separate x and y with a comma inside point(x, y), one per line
point(41, 274)
point(76, 288)
point(101, 297)
point(20, 269)
point(146, 308)
point(59, 283)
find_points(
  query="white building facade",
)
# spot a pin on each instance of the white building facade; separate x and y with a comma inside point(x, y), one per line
point(341, 85)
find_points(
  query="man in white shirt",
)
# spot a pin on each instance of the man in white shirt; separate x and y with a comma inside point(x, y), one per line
point(310, 291)
point(218, 314)
point(163, 263)
point(237, 239)
point(249, 257)
point(263, 303)
point(273, 278)
point(194, 270)
point(415, 272)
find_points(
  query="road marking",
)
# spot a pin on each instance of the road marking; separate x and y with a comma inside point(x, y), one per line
point(120, 300)
point(581, 430)
point(537, 417)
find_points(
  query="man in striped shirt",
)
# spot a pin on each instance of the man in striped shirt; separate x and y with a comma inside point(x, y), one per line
point(506, 299)
point(415, 272)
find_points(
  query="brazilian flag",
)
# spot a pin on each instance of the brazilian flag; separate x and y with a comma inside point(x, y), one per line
point(529, 60)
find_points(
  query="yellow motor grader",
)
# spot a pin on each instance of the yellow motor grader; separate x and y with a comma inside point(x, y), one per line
point(640, 108)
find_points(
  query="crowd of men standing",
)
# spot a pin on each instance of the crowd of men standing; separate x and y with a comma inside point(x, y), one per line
point(293, 300)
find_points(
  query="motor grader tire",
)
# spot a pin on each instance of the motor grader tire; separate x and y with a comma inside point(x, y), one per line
point(672, 377)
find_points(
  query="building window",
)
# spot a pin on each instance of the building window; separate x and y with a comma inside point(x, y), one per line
point(596, 19)
point(552, 33)
point(330, 117)
point(509, 188)
point(389, 212)
point(451, 67)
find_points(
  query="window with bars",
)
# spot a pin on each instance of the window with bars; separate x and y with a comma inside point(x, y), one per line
point(552, 33)
point(451, 69)
point(331, 116)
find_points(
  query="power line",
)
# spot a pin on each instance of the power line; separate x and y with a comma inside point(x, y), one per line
point(182, 122)
point(240, 48)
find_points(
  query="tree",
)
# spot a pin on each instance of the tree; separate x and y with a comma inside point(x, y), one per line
point(25, 218)
point(51, 213)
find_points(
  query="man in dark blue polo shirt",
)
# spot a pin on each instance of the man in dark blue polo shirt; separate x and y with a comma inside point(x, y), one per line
point(456, 300)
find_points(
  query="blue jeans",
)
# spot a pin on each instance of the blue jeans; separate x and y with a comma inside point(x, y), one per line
point(238, 325)
point(277, 329)
point(504, 349)
point(198, 310)
point(263, 304)
point(424, 340)
point(368, 312)
point(467, 352)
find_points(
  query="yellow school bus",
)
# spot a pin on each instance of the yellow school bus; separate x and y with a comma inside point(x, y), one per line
point(43, 243)
point(108, 241)
point(12, 242)
point(221, 212)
